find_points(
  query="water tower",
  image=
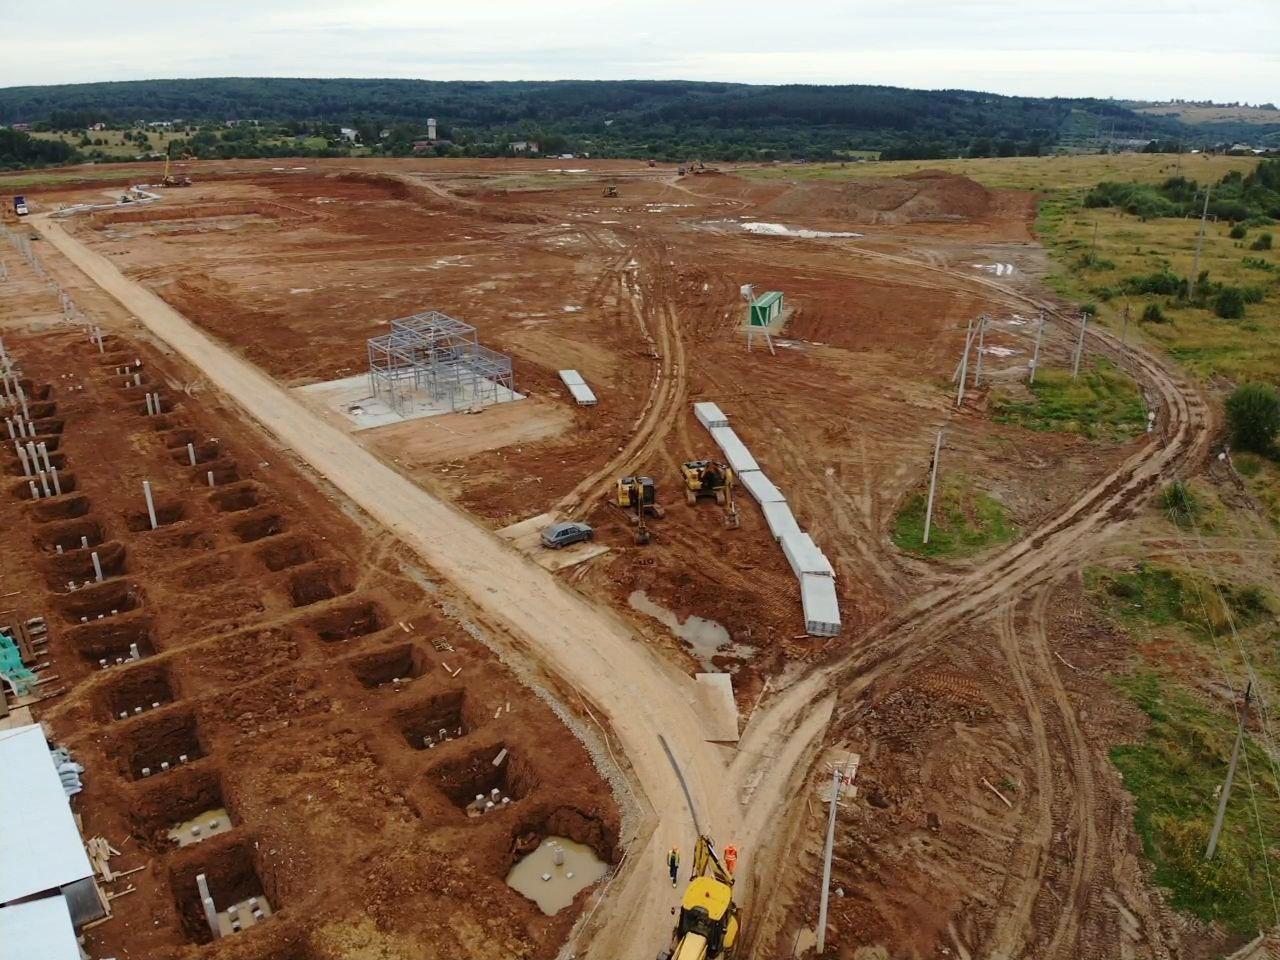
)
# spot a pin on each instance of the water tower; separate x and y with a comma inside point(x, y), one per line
point(431, 128)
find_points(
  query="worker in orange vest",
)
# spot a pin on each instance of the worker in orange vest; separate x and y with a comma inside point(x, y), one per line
point(730, 858)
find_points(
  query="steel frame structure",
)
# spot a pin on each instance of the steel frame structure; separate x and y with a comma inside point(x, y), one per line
point(435, 354)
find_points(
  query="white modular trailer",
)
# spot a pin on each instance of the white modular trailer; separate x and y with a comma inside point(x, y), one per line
point(761, 487)
point(821, 608)
point(805, 557)
point(781, 521)
point(710, 415)
point(734, 450)
point(578, 387)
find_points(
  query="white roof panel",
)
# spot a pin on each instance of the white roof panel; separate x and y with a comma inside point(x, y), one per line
point(821, 608)
point(780, 519)
point(578, 387)
point(40, 847)
point(761, 488)
point(805, 557)
point(38, 930)
point(735, 451)
point(710, 415)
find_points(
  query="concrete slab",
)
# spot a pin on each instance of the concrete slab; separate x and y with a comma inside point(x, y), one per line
point(719, 710)
point(353, 399)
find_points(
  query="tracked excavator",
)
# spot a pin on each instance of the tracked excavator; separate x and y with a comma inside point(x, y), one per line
point(640, 496)
point(708, 925)
point(711, 478)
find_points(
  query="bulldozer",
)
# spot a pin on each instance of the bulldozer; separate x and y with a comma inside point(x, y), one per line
point(610, 191)
point(711, 478)
point(708, 926)
point(640, 496)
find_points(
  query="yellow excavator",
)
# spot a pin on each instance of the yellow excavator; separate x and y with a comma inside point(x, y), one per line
point(640, 495)
point(174, 180)
point(708, 925)
point(711, 478)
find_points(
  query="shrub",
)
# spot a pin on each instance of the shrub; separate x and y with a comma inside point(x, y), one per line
point(1089, 309)
point(1164, 283)
point(1238, 232)
point(1253, 414)
point(1180, 504)
point(1230, 304)
point(1261, 242)
point(1153, 314)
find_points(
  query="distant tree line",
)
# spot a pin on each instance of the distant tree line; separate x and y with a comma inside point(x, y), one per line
point(669, 120)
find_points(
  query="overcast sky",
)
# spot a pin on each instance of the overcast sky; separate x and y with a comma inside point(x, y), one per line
point(1226, 50)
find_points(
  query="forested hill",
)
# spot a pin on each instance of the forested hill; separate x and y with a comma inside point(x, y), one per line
point(663, 117)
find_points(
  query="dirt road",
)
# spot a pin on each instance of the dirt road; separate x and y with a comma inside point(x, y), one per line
point(582, 643)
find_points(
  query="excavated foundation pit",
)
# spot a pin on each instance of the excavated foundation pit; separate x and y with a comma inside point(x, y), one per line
point(77, 565)
point(158, 743)
point(555, 872)
point(137, 688)
point(186, 807)
point(244, 496)
point(163, 422)
point(224, 472)
point(438, 720)
point(317, 582)
point(403, 662)
point(49, 428)
point(234, 877)
point(140, 408)
point(103, 642)
point(56, 460)
point(42, 411)
point(346, 622)
point(167, 512)
point(475, 775)
point(99, 601)
point(51, 441)
point(60, 508)
point(205, 452)
point(22, 489)
point(258, 526)
point(179, 438)
point(33, 391)
point(70, 535)
point(281, 553)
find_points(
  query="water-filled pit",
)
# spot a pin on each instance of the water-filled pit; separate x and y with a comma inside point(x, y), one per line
point(550, 884)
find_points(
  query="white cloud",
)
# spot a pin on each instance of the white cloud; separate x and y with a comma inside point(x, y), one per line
point(1123, 48)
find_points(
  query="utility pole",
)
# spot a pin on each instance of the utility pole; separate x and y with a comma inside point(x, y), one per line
point(1075, 366)
point(967, 334)
point(1204, 215)
point(964, 366)
point(1035, 354)
point(1231, 774)
point(982, 339)
point(1124, 330)
point(837, 778)
point(1093, 247)
point(933, 485)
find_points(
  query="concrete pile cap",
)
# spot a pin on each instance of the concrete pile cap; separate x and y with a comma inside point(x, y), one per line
point(710, 415)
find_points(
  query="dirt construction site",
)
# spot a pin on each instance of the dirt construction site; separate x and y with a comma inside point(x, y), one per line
point(335, 629)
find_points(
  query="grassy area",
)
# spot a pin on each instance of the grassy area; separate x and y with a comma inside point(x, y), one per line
point(114, 144)
point(1042, 174)
point(1102, 403)
point(1262, 477)
point(965, 521)
point(1173, 774)
point(1155, 595)
point(1096, 251)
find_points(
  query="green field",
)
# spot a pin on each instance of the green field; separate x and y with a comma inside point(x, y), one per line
point(965, 521)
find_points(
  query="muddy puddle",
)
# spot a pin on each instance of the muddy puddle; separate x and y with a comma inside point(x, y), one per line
point(707, 637)
point(550, 884)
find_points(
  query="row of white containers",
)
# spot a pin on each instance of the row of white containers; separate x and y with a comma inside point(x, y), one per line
point(810, 565)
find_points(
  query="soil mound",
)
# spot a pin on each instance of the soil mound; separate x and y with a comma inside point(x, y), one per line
point(924, 197)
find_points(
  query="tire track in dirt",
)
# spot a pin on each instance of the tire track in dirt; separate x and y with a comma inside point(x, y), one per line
point(1025, 873)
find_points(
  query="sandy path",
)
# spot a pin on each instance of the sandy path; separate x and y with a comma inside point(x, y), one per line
point(582, 643)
